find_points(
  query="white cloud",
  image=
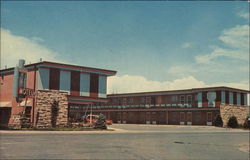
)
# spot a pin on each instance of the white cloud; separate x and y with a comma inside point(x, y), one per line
point(183, 70)
point(128, 84)
point(236, 40)
point(187, 45)
point(244, 15)
point(14, 47)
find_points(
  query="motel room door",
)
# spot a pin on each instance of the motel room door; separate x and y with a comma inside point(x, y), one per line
point(209, 118)
point(124, 117)
point(119, 117)
point(148, 117)
point(182, 118)
point(189, 118)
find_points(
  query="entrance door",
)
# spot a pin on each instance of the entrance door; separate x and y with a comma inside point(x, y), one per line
point(182, 118)
point(189, 118)
point(5, 113)
point(209, 118)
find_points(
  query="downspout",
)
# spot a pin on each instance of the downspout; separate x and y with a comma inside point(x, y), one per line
point(33, 111)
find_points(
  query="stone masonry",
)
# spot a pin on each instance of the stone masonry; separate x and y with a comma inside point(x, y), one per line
point(44, 103)
point(240, 112)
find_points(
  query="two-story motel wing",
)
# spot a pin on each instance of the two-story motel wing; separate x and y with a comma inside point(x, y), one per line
point(79, 85)
point(197, 106)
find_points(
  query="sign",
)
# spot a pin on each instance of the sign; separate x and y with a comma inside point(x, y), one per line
point(27, 92)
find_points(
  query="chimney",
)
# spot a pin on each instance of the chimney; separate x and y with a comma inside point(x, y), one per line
point(21, 63)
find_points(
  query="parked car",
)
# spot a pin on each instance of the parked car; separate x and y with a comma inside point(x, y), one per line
point(87, 119)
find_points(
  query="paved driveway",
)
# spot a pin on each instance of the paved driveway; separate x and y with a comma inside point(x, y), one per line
point(128, 142)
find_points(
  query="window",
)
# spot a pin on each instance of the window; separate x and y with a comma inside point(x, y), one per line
point(75, 83)
point(131, 100)
point(54, 78)
point(148, 100)
point(2, 80)
point(189, 99)
point(124, 101)
point(119, 101)
point(174, 98)
point(142, 100)
point(94, 79)
point(231, 98)
point(115, 101)
point(182, 99)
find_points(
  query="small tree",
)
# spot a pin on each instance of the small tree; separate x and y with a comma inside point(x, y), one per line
point(247, 122)
point(232, 122)
point(218, 121)
point(101, 122)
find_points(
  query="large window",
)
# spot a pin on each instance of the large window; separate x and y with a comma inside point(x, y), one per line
point(75, 83)
point(94, 85)
point(54, 78)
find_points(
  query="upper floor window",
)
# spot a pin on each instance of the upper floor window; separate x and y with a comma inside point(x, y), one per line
point(124, 101)
point(114, 101)
point(189, 99)
point(174, 98)
point(2, 80)
point(131, 100)
point(94, 79)
point(148, 100)
point(182, 99)
point(142, 100)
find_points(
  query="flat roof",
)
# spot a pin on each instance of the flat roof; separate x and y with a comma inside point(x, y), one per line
point(63, 66)
point(183, 91)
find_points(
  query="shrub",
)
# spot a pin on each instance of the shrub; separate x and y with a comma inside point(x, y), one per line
point(218, 121)
point(247, 122)
point(232, 122)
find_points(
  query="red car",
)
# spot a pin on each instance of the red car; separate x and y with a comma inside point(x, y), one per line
point(94, 119)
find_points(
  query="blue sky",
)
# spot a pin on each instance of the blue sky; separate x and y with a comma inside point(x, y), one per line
point(158, 41)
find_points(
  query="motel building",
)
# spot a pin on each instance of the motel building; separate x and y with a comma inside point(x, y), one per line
point(197, 106)
point(48, 94)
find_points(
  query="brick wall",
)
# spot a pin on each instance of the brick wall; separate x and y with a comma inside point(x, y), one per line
point(240, 112)
point(45, 101)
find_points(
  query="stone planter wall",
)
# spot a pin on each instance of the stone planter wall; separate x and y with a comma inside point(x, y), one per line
point(240, 112)
point(44, 102)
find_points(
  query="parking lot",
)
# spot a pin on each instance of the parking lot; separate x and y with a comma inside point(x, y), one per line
point(128, 141)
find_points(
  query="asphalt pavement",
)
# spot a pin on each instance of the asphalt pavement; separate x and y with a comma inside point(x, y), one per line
point(128, 142)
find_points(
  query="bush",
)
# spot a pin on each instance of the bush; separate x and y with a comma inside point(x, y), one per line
point(247, 123)
point(232, 122)
point(218, 121)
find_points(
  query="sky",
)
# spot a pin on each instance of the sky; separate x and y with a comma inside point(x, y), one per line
point(153, 46)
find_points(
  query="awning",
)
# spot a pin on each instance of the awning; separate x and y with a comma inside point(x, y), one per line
point(5, 104)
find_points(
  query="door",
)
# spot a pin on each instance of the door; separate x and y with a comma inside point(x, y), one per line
point(182, 118)
point(5, 113)
point(189, 118)
point(209, 118)
point(147, 117)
